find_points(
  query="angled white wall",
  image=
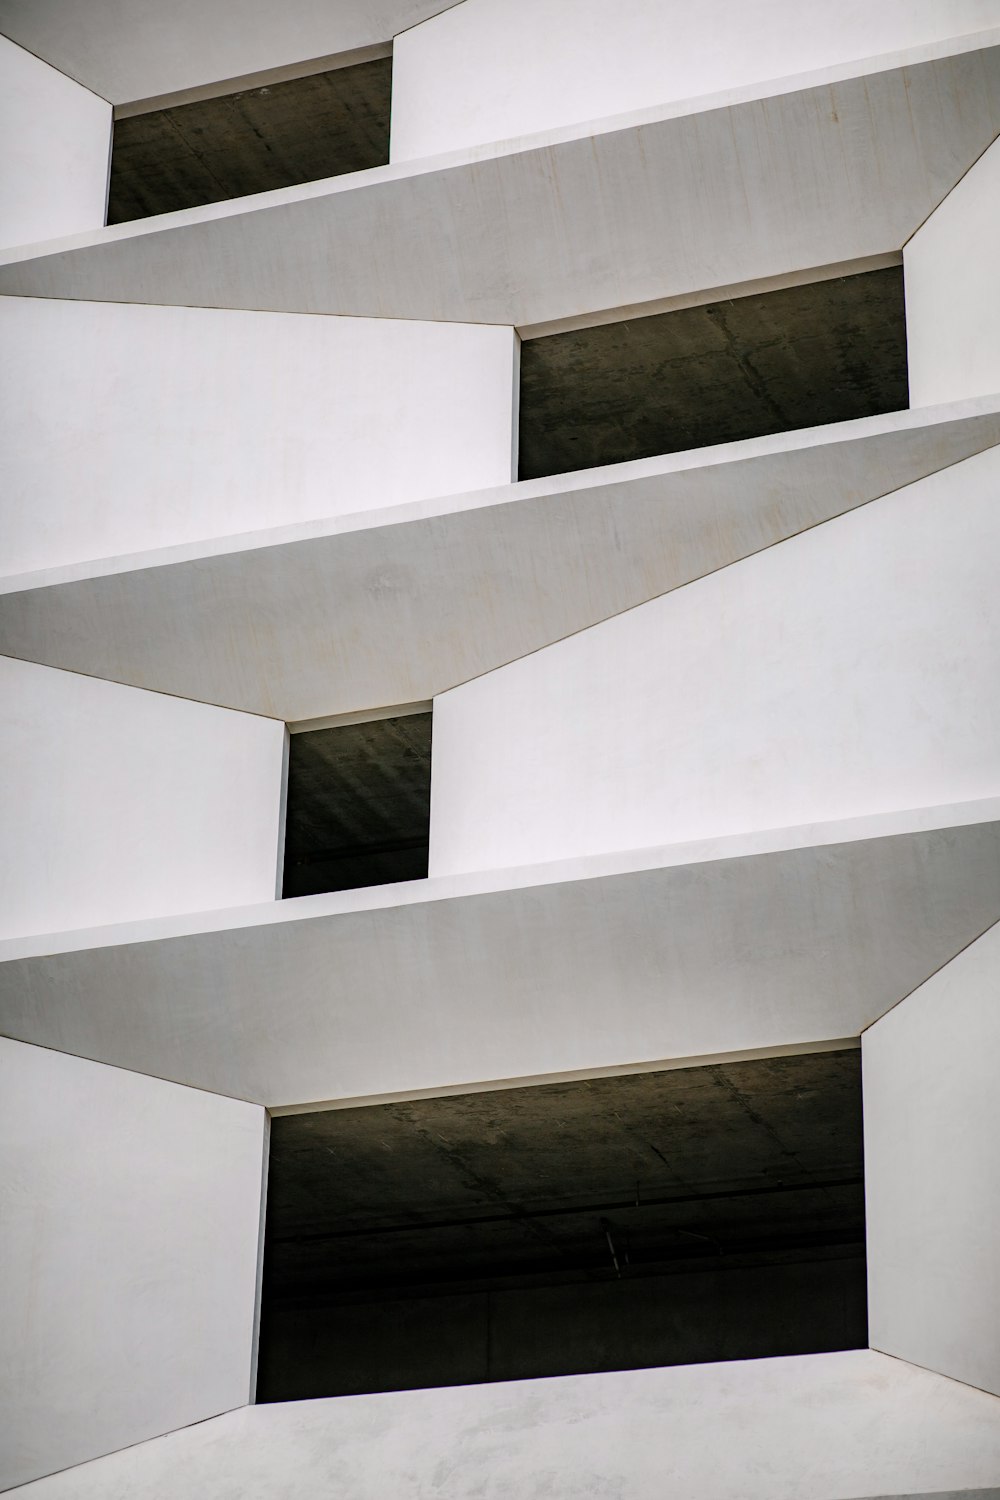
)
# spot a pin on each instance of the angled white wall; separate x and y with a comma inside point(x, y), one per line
point(55, 146)
point(952, 306)
point(847, 671)
point(129, 427)
point(120, 803)
point(932, 1180)
point(490, 70)
point(129, 1240)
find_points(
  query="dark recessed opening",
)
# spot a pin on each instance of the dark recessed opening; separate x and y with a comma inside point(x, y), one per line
point(251, 141)
point(707, 1213)
point(801, 357)
point(359, 804)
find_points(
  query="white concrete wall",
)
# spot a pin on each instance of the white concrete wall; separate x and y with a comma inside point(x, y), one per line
point(850, 670)
point(130, 427)
point(932, 1171)
point(129, 1239)
point(490, 70)
point(55, 144)
point(119, 803)
point(952, 301)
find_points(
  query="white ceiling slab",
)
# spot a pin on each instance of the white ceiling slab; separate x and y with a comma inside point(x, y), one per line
point(137, 49)
point(372, 610)
point(786, 938)
point(575, 220)
point(836, 1426)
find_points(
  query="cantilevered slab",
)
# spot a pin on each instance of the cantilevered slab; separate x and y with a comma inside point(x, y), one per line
point(396, 606)
point(829, 1426)
point(823, 169)
point(788, 939)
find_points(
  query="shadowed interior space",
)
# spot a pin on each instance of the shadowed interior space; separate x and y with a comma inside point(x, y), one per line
point(359, 805)
point(706, 1213)
point(825, 352)
point(250, 142)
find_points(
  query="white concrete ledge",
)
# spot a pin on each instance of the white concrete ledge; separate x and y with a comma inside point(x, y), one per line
point(794, 936)
point(822, 1426)
point(398, 605)
point(828, 167)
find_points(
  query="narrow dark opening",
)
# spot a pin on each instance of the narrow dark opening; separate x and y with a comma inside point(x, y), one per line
point(707, 1213)
point(359, 803)
point(801, 357)
point(251, 141)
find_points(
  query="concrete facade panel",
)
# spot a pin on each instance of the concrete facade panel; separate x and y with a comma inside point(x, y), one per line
point(121, 804)
point(134, 427)
point(932, 1180)
point(56, 148)
point(848, 671)
point(129, 1246)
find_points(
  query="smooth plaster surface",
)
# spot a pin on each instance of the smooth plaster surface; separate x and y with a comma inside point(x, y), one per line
point(396, 605)
point(577, 220)
point(129, 1245)
point(128, 427)
point(490, 70)
point(830, 1426)
point(932, 1123)
point(56, 145)
point(952, 308)
point(121, 804)
point(795, 938)
point(850, 670)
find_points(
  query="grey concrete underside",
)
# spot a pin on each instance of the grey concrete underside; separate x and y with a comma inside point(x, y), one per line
point(251, 142)
point(580, 219)
point(827, 351)
point(780, 940)
point(395, 607)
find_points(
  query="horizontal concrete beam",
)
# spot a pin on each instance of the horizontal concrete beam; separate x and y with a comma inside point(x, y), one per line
point(311, 620)
point(577, 219)
point(796, 936)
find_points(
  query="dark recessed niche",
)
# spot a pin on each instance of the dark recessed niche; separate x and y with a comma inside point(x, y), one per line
point(249, 142)
point(825, 352)
point(706, 1213)
point(358, 810)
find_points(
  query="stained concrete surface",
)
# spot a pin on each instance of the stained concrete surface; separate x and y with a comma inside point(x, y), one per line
point(827, 351)
point(358, 809)
point(674, 1217)
point(250, 142)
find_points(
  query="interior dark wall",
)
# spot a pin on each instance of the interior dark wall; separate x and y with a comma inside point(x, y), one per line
point(689, 1215)
point(250, 142)
point(358, 809)
point(802, 357)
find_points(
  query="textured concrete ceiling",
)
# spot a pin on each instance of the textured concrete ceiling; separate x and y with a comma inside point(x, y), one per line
point(827, 351)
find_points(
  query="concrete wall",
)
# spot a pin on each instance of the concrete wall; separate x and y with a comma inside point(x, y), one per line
point(129, 1246)
point(120, 803)
point(55, 144)
point(493, 69)
point(130, 427)
point(932, 1123)
point(850, 670)
point(952, 307)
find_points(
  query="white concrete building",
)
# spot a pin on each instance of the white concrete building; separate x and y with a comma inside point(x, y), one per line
point(603, 1103)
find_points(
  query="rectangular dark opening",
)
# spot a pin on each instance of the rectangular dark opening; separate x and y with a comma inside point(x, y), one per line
point(359, 805)
point(252, 141)
point(825, 352)
point(707, 1213)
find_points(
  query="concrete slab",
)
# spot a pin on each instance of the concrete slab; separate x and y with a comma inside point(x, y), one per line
point(396, 606)
point(592, 217)
point(785, 939)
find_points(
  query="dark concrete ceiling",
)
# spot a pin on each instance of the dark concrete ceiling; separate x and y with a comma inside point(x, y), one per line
point(824, 352)
point(488, 1189)
point(262, 138)
point(358, 809)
